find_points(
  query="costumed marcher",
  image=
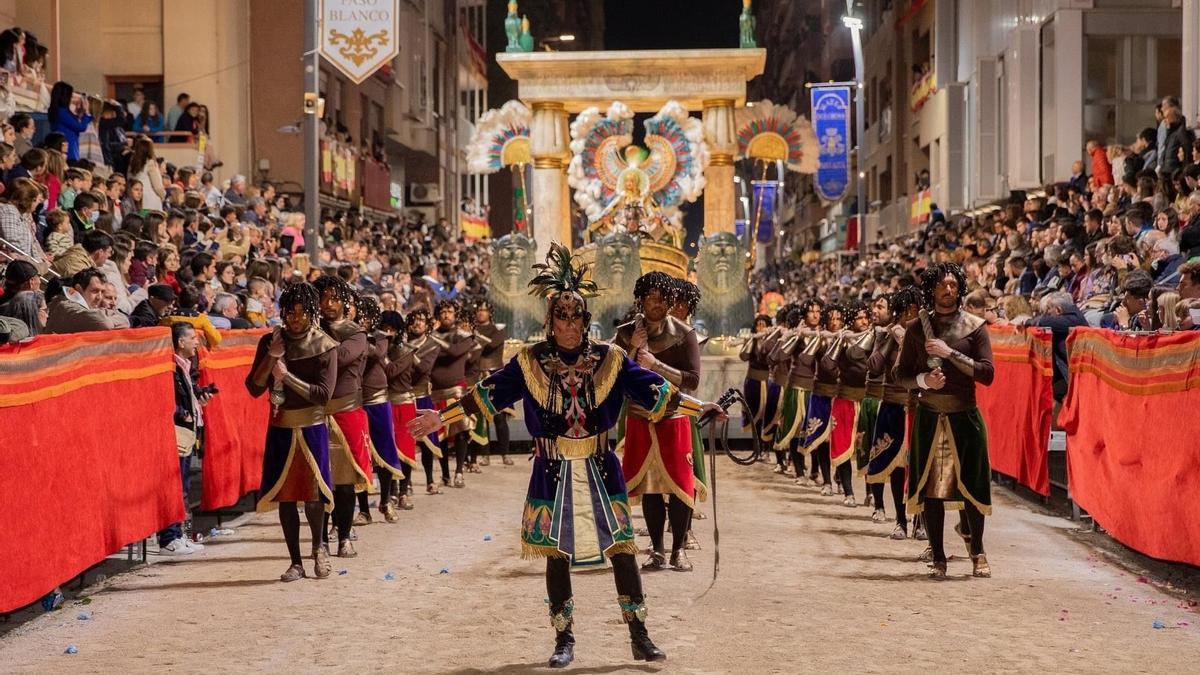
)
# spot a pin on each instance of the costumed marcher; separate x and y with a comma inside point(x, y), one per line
point(685, 298)
point(658, 451)
point(762, 395)
point(378, 408)
point(571, 390)
point(888, 441)
point(800, 348)
point(449, 382)
point(349, 435)
point(471, 375)
point(400, 367)
point(491, 359)
point(780, 363)
point(857, 342)
point(426, 349)
point(945, 354)
point(818, 427)
point(297, 364)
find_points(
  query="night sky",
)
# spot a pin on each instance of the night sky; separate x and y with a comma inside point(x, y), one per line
point(671, 24)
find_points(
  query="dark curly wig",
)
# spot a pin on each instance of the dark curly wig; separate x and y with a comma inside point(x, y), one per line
point(686, 293)
point(341, 289)
point(662, 281)
point(304, 294)
point(368, 313)
point(419, 313)
point(393, 320)
point(790, 315)
point(904, 298)
point(447, 304)
point(934, 275)
point(829, 311)
point(766, 318)
point(852, 308)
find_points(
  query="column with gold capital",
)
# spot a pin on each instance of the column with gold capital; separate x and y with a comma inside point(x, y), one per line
point(719, 197)
point(549, 143)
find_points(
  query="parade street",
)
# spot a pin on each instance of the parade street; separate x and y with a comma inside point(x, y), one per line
point(806, 585)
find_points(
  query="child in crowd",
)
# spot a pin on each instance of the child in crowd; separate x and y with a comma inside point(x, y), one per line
point(59, 237)
point(77, 180)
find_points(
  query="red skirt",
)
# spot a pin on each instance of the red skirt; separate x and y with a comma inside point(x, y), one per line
point(658, 458)
point(402, 414)
point(349, 448)
point(844, 420)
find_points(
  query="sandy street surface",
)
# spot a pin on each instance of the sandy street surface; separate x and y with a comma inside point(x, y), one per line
point(806, 585)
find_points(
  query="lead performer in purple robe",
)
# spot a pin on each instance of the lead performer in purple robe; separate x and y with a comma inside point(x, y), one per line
point(572, 390)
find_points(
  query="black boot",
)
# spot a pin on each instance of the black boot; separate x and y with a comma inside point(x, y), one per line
point(564, 649)
point(643, 648)
point(561, 618)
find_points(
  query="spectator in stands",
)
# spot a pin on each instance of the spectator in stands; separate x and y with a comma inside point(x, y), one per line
point(1164, 305)
point(144, 168)
point(1102, 173)
point(17, 227)
point(1178, 142)
point(190, 120)
point(145, 259)
point(204, 268)
point(236, 194)
point(80, 308)
point(93, 250)
point(1165, 263)
point(225, 313)
point(19, 276)
point(212, 193)
point(135, 106)
point(134, 196)
point(168, 266)
point(433, 282)
point(1060, 315)
point(1146, 149)
point(1078, 178)
point(24, 127)
point(150, 122)
point(1131, 314)
point(28, 307)
point(160, 298)
point(173, 115)
point(68, 116)
point(186, 311)
point(32, 166)
point(115, 145)
point(256, 211)
point(75, 181)
point(189, 433)
point(114, 191)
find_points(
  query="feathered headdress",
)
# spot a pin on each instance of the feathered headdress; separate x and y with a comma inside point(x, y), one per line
point(559, 274)
point(770, 132)
point(500, 139)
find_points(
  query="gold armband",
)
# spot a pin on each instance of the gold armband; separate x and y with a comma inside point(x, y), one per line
point(452, 413)
point(689, 406)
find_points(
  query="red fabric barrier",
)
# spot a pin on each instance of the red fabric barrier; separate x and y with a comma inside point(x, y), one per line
point(1133, 458)
point(235, 424)
point(88, 461)
point(1019, 405)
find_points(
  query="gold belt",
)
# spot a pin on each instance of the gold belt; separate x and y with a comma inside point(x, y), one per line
point(851, 393)
point(944, 403)
point(892, 396)
point(345, 403)
point(402, 397)
point(875, 390)
point(298, 418)
point(576, 448)
point(448, 394)
point(825, 389)
point(376, 397)
point(804, 382)
point(757, 374)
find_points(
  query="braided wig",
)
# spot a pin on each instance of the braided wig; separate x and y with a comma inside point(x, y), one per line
point(368, 313)
point(304, 294)
point(686, 293)
point(934, 274)
point(904, 298)
point(341, 289)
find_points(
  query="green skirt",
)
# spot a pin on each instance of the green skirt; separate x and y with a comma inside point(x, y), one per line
point(792, 408)
point(867, 413)
point(699, 469)
point(948, 459)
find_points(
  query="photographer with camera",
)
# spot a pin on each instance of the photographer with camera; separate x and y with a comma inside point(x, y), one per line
point(189, 430)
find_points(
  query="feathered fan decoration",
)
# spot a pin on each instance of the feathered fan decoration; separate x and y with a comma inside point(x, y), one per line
point(771, 132)
point(559, 274)
point(501, 139)
point(670, 168)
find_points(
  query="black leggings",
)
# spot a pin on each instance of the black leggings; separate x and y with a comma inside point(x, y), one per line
point(845, 475)
point(897, 482)
point(797, 458)
point(289, 520)
point(427, 464)
point(935, 521)
point(625, 574)
point(343, 512)
point(459, 445)
point(780, 458)
point(502, 442)
point(821, 459)
point(403, 483)
point(657, 509)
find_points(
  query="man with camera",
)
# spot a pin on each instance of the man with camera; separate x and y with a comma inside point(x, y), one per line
point(189, 431)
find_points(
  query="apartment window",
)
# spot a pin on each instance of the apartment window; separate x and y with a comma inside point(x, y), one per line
point(1124, 76)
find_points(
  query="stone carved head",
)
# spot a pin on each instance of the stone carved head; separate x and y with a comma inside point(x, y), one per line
point(725, 304)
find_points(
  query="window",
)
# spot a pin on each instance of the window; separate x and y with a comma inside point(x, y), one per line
point(121, 87)
point(1124, 76)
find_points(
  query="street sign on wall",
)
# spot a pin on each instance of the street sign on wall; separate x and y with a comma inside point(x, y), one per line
point(359, 36)
point(831, 121)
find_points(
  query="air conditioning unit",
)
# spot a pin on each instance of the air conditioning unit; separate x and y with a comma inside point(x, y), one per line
point(424, 193)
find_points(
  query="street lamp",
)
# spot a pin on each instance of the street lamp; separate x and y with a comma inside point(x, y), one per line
point(855, 24)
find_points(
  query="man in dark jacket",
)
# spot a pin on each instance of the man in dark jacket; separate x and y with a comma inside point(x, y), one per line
point(160, 298)
point(1179, 139)
point(1060, 315)
point(189, 432)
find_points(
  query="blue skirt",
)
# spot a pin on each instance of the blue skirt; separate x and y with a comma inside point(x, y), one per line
point(383, 437)
point(296, 466)
point(888, 447)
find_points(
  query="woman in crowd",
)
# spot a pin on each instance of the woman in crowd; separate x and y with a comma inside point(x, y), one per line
point(150, 121)
point(68, 116)
point(167, 267)
point(143, 168)
point(16, 221)
point(28, 307)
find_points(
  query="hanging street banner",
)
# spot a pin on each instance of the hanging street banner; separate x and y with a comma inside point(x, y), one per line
point(831, 121)
point(359, 36)
point(765, 192)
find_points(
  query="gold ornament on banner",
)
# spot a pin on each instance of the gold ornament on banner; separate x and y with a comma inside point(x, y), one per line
point(358, 45)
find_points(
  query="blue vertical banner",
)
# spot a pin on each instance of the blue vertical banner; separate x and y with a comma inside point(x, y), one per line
point(831, 121)
point(764, 192)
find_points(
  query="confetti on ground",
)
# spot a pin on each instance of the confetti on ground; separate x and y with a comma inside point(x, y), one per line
point(445, 570)
point(487, 537)
point(342, 573)
point(71, 649)
point(85, 616)
point(1158, 625)
point(389, 576)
